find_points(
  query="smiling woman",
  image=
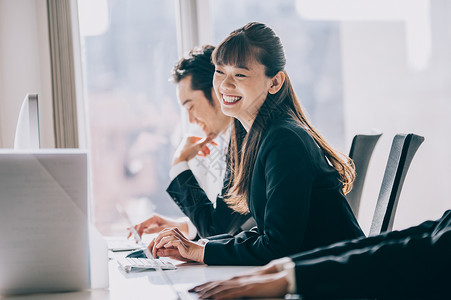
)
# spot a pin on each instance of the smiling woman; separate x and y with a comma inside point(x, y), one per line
point(283, 172)
point(232, 84)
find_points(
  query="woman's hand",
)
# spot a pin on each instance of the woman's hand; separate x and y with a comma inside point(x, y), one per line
point(172, 243)
point(157, 223)
point(193, 146)
point(257, 286)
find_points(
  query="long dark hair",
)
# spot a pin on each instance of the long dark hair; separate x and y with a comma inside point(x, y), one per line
point(256, 41)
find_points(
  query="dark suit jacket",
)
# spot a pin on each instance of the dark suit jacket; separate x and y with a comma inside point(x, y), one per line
point(295, 197)
point(412, 263)
point(192, 200)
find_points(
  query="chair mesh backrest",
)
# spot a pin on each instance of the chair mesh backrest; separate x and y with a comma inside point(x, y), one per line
point(403, 150)
point(362, 148)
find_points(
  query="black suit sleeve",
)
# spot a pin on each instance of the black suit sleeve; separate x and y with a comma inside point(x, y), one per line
point(192, 200)
point(284, 173)
point(412, 263)
point(342, 247)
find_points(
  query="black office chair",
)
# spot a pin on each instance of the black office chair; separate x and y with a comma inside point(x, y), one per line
point(362, 148)
point(402, 151)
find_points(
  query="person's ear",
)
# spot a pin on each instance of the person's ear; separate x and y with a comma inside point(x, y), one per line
point(277, 82)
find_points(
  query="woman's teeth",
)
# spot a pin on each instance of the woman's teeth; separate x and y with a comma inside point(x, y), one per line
point(230, 99)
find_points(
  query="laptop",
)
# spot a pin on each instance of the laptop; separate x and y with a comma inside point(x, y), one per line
point(47, 243)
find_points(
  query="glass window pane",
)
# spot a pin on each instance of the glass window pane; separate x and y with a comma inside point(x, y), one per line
point(132, 106)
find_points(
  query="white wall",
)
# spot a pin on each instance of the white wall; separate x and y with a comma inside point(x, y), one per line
point(381, 90)
point(24, 66)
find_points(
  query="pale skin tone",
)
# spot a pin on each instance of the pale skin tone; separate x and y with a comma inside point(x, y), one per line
point(241, 90)
point(256, 286)
point(207, 116)
point(264, 282)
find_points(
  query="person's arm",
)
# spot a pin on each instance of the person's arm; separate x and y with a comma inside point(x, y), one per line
point(271, 281)
point(281, 186)
point(186, 192)
point(347, 245)
point(312, 277)
point(409, 266)
point(194, 203)
point(274, 285)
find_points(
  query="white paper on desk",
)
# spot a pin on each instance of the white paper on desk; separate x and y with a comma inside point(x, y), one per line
point(43, 221)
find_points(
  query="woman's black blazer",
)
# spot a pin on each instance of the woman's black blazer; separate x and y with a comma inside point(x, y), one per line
point(209, 219)
point(295, 198)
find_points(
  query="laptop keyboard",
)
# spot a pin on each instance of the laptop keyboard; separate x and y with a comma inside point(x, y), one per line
point(129, 264)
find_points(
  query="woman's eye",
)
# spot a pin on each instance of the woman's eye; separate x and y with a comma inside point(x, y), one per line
point(240, 75)
point(190, 108)
point(219, 72)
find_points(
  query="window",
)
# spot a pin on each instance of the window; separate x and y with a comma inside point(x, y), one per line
point(354, 68)
point(129, 49)
point(363, 65)
point(313, 56)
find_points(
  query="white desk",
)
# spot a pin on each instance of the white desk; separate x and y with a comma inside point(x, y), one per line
point(145, 285)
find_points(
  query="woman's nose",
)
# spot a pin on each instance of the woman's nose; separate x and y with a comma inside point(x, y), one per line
point(228, 83)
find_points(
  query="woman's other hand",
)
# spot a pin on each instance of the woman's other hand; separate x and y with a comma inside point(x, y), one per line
point(171, 242)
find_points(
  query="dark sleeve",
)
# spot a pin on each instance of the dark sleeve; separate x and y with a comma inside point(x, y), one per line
point(392, 266)
point(287, 176)
point(193, 201)
point(345, 246)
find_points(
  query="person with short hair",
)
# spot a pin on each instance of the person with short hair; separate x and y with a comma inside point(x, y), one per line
point(193, 75)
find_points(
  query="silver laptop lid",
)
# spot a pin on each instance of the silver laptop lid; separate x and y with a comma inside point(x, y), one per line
point(43, 221)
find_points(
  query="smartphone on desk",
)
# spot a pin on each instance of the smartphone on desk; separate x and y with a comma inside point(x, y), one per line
point(119, 244)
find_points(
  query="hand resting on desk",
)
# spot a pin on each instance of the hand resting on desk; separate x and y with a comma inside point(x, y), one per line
point(264, 282)
point(259, 286)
